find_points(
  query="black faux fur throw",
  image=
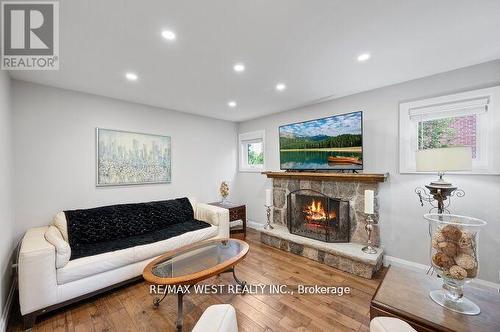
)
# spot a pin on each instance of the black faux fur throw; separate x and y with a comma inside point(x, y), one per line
point(115, 227)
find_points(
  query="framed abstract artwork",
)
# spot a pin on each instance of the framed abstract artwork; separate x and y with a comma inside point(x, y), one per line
point(126, 158)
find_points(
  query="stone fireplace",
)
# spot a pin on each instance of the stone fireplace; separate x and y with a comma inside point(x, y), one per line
point(352, 192)
point(321, 216)
point(317, 216)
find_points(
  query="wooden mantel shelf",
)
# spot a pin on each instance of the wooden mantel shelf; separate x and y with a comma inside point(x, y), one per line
point(317, 176)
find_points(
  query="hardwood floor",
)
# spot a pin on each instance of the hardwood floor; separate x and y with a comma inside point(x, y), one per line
point(130, 308)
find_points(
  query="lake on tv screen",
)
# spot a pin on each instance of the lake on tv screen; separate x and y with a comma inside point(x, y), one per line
point(317, 160)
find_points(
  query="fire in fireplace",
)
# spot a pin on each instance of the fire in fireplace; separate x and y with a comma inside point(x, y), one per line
point(315, 215)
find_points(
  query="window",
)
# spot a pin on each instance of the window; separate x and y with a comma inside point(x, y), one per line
point(449, 131)
point(251, 151)
point(463, 119)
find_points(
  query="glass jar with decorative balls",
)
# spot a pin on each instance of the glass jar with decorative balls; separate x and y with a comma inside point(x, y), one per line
point(455, 257)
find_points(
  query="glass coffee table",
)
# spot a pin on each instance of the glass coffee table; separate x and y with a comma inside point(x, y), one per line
point(191, 264)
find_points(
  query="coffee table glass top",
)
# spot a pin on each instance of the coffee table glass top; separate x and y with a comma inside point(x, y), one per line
point(199, 257)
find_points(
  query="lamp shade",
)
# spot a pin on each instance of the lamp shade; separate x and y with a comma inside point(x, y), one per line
point(457, 158)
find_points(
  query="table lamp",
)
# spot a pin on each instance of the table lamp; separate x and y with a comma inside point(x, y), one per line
point(441, 160)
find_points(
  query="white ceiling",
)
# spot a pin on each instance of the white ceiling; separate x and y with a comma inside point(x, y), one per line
point(310, 45)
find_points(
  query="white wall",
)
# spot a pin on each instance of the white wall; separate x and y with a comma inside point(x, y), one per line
point(6, 214)
point(403, 230)
point(54, 144)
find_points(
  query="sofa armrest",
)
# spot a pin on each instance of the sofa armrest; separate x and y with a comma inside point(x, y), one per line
point(37, 271)
point(214, 215)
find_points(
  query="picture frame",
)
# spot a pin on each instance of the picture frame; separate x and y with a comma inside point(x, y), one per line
point(132, 158)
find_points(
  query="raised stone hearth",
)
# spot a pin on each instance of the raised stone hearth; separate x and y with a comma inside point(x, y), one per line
point(347, 257)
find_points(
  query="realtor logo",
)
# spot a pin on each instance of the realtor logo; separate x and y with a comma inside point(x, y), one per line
point(30, 35)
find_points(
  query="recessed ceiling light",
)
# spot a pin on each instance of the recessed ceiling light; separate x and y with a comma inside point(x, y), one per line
point(131, 76)
point(168, 35)
point(239, 67)
point(364, 57)
point(280, 86)
point(231, 104)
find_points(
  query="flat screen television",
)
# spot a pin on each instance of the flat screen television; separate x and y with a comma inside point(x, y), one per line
point(332, 143)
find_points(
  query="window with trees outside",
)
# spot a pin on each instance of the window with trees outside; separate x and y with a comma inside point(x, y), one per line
point(465, 119)
point(251, 151)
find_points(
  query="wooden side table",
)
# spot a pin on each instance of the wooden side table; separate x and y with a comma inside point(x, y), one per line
point(236, 212)
point(404, 294)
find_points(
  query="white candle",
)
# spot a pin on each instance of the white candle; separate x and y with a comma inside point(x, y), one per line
point(369, 201)
point(269, 197)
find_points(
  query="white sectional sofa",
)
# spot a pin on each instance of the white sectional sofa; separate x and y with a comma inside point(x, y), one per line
point(48, 279)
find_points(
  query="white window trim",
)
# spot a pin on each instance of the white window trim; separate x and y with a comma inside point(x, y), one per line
point(480, 101)
point(258, 135)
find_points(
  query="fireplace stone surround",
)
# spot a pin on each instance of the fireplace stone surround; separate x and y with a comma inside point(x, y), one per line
point(347, 257)
point(354, 192)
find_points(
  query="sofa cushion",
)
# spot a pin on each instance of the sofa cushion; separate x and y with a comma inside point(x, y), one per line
point(87, 266)
point(63, 251)
point(108, 223)
point(90, 249)
point(60, 222)
point(91, 265)
point(158, 248)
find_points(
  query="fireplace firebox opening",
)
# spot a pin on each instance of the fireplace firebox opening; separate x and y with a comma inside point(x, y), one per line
point(314, 215)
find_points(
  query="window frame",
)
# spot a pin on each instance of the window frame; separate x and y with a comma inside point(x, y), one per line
point(244, 140)
point(488, 127)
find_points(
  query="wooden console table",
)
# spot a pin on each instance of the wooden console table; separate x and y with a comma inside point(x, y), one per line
point(236, 212)
point(405, 294)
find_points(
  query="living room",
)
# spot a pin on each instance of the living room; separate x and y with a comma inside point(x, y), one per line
point(250, 165)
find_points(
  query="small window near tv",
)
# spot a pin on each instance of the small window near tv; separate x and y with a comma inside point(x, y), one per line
point(251, 151)
point(463, 119)
point(255, 155)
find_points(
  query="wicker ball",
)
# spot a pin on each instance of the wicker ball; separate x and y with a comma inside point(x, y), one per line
point(465, 261)
point(469, 251)
point(449, 248)
point(472, 273)
point(451, 233)
point(437, 238)
point(466, 239)
point(442, 260)
point(457, 272)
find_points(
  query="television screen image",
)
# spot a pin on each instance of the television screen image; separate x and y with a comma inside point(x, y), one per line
point(332, 143)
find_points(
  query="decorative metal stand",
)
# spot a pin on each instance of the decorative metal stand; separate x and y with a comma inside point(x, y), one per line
point(268, 210)
point(438, 195)
point(369, 229)
point(180, 296)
